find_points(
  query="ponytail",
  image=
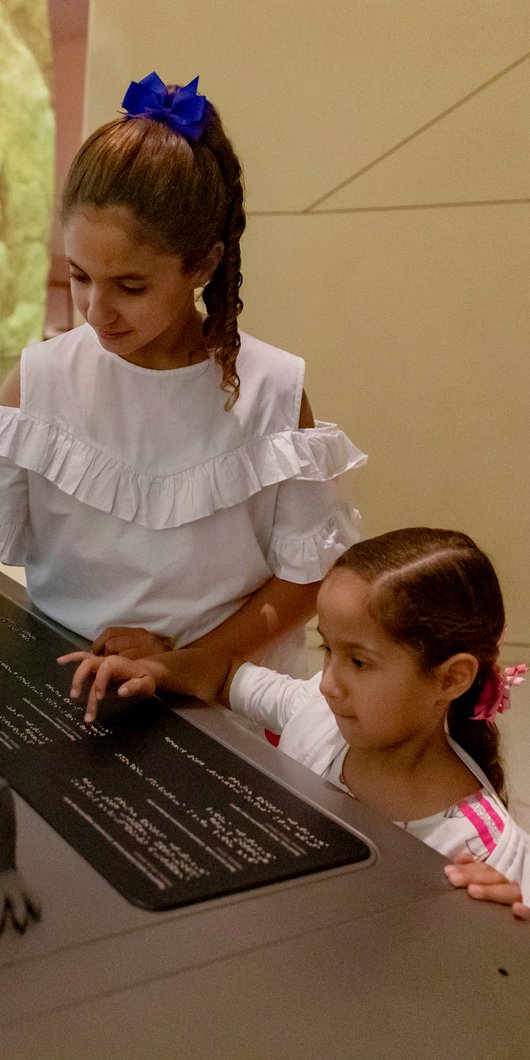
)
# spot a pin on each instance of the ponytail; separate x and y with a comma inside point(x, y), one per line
point(480, 738)
point(221, 294)
point(186, 195)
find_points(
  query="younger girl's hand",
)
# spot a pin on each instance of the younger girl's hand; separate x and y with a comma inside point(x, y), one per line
point(130, 642)
point(136, 677)
point(483, 882)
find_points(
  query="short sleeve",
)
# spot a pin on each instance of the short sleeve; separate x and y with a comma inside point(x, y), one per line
point(13, 513)
point(313, 526)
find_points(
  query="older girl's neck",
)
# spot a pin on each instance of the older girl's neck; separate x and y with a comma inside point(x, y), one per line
point(178, 349)
point(190, 345)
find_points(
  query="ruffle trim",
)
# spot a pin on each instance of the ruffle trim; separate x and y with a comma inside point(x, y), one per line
point(171, 500)
point(13, 544)
point(300, 559)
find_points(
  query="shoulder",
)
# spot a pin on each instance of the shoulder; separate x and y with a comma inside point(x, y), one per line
point(62, 355)
point(307, 420)
point(311, 735)
point(258, 356)
point(272, 380)
point(44, 365)
point(10, 389)
point(60, 345)
point(275, 362)
point(471, 765)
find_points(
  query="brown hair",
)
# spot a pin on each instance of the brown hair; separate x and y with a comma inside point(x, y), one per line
point(185, 196)
point(437, 593)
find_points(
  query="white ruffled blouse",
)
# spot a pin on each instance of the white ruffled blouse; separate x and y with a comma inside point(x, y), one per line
point(132, 498)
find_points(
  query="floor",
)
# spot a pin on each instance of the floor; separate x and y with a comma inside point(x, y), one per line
point(514, 725)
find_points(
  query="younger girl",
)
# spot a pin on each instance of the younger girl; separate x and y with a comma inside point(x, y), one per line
point(159, 467)
point(402, 715)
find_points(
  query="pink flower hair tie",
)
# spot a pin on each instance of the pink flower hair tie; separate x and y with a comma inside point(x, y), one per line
point(495, 696)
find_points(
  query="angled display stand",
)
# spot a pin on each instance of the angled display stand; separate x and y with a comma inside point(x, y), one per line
point(204, 895)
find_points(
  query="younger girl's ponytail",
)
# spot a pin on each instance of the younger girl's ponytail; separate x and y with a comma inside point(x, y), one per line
point(479, 737)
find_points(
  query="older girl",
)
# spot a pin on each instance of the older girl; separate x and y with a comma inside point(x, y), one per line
point(162, 470)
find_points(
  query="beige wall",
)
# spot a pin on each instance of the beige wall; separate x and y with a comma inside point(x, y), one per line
point(386, 152)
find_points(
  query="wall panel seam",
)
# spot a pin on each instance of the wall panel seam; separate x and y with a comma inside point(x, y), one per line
point(418, 132)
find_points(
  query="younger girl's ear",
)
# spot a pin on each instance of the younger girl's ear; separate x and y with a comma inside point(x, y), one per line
point(457, 674)
point(210, 263)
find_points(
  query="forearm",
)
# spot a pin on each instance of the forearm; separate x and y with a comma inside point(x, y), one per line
point(205, 667)
point(272, 611)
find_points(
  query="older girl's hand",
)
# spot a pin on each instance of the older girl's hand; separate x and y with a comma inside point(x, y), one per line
point(484, 883)
point(135, 677)
point(130, 642)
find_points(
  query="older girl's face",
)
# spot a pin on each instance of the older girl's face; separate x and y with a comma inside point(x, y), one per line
point(139, 300)
point(373, 686)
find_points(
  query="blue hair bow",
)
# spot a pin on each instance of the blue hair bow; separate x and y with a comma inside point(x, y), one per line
point(180, 108)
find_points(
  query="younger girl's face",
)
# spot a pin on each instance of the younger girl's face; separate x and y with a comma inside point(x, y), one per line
point(139, 301)
point(373, 685)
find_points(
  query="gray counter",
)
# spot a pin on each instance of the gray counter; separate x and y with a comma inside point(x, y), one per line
point(379, 961)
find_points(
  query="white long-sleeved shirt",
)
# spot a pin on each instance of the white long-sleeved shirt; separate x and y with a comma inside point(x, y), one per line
point(479, 824)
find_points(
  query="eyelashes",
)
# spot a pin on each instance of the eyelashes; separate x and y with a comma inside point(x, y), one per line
point(357, 663)
point(84, 280)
